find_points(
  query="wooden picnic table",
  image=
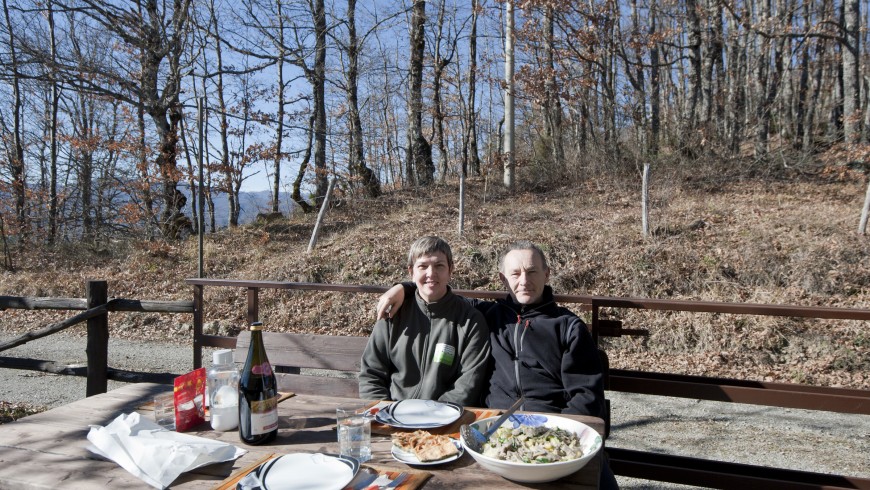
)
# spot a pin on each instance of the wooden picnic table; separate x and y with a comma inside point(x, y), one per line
point(48, 450)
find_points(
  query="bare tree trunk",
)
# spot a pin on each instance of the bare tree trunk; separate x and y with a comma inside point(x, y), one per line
point(708, 59)
point(15, 156)
point(655, 85)
point(835, 116)
point(762, 110)
point(226, 166)
point(802, 89)
point(55, 100)
point(195, 211)
point(693, 83)
point(83, 130)
point(300, 175)
point(418, 166)
point(165, 108)
point(719, 49)
point(369, 178)
point(441, 62)
point(144, 171)
point(206, 171)
point(321, 177)
point(553, 98)
point(608, 78)
point(634, 70)
point(733, 106)
point(785, 96)
point(510, 157)
point(279, 126)
point(471, 158)
point(851, 71)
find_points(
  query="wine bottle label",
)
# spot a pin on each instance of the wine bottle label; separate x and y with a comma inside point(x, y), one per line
point(264, 369)
point(264, 416)
point(444, 354)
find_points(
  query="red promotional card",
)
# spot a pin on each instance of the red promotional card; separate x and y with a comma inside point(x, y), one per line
point(189, 399)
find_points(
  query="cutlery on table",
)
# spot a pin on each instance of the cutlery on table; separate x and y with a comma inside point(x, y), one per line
point(475, 440)
point(398, 480)
point(365, 478)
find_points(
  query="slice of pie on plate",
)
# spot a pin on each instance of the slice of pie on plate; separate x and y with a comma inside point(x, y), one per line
point(427, 447)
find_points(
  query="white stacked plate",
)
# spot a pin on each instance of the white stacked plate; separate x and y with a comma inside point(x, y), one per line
point(411, 458)
point(419, 414)
point(307, 471)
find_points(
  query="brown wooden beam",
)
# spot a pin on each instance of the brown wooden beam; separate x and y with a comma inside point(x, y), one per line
point(98, 340)
point(719, 474)
point(842, 400)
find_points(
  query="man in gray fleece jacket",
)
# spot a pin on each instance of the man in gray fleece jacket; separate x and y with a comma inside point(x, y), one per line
point(434, 348)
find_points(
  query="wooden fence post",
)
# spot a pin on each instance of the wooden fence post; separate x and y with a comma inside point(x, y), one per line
point(644, 201)
point(321, 215)
point(253, 313)
point(98, 340)
point(197, 326)
point(461, 204)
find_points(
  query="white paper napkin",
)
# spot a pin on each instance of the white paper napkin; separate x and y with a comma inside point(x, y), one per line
point(154, 454)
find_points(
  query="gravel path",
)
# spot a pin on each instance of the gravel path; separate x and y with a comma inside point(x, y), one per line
point(786, 438)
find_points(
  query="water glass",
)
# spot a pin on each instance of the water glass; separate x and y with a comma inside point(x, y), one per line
point(354, 432)
point(164, 410)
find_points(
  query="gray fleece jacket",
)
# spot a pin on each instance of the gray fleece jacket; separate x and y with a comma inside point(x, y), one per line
point(430, 351)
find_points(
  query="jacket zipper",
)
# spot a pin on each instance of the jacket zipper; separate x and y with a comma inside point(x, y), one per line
point(424, 361)
point(518, 347)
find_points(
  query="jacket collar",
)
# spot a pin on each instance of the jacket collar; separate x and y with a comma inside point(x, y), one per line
point(437, 307)
point(548, 300)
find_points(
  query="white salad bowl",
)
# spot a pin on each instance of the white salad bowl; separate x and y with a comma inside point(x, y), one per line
point(590, 442)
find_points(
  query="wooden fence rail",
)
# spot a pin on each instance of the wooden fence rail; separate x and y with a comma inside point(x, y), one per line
point(96, 309)
point(96, 306)
point(644, 464)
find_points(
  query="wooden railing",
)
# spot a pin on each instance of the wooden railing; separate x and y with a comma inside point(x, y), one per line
point(97, 307)
point(697, 387)
point(643, 464)
point(692, 471)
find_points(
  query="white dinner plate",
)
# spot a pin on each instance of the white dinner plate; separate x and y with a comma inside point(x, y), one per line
point(419, 414)
point(411, 458)
point(307, 471)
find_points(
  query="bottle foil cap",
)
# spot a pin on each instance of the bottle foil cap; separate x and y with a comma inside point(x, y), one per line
point(223, 356)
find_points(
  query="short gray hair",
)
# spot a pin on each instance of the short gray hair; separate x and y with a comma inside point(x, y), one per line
point(429, 245)
point(523, 245)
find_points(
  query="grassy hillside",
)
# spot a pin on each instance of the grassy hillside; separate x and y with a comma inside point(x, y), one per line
point(784, 240)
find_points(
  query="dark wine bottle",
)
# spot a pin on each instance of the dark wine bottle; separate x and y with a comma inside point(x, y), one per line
point(258, 394)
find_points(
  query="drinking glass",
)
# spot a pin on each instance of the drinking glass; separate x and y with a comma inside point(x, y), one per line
point(164, 409)
point(354, 432)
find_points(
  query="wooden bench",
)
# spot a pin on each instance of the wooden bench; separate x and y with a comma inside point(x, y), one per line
point(310, 364)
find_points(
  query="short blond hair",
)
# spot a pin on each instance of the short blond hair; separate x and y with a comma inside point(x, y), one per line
point(429, 245)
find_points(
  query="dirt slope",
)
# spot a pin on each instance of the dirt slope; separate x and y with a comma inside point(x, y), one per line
point(782, 241)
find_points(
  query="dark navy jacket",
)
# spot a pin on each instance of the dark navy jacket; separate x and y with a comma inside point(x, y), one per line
point(544, 352)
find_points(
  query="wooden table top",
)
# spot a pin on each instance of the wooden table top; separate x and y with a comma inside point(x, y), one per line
point(48, 450)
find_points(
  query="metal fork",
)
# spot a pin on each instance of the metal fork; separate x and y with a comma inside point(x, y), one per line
point(398, 480)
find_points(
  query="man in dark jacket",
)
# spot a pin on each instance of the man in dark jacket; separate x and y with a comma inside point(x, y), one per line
point(540, 350)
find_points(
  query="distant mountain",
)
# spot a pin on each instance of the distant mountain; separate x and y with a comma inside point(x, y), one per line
point(251, 204)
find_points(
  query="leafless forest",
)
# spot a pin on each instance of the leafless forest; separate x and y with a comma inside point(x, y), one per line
point(100, 100)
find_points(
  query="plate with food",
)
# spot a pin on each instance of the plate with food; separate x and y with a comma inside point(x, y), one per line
point(418, 414)
point(422, 448)
point(536, 448)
